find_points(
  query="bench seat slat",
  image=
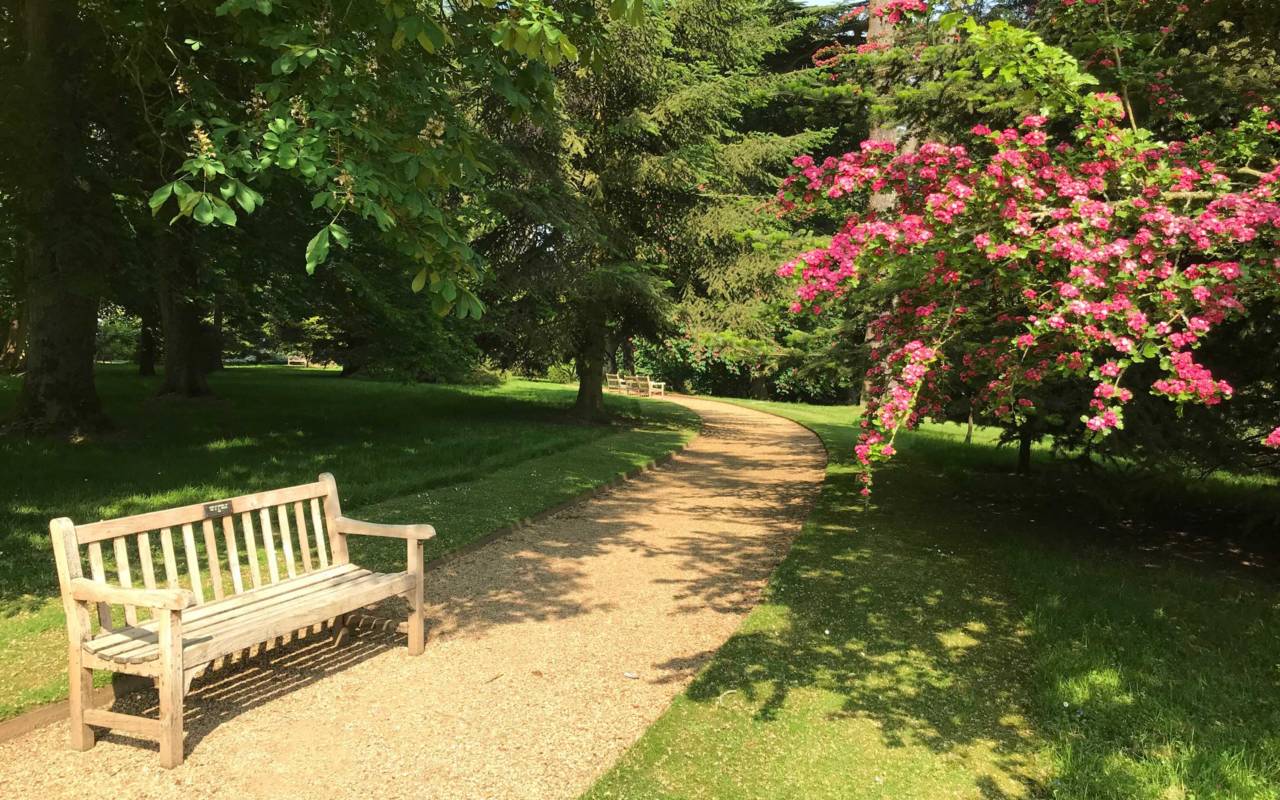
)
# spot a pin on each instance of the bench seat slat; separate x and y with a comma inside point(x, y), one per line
point(223, 629)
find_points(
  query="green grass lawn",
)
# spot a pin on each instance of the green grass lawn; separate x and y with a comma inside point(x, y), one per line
point(467, 459)
point(978, 634)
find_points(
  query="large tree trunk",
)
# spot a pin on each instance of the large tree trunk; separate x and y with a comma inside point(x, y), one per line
point(185, 340)
point(589, 364)
point(61, 278)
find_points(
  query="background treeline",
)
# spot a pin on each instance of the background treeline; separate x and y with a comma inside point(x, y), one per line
point(443, 194)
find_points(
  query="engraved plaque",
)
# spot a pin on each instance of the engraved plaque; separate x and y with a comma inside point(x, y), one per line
point(217, 509)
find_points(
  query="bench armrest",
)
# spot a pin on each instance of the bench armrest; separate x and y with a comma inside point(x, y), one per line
point(346, 525)
point(88, 591)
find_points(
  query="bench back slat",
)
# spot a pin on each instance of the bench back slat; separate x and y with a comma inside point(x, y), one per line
point(233, 552)
point(321, 551)
point(193, 561)
point(251, 549)
point(269, 543)
point(304, 546)
point(121, 548)
point(170, 561)
point(211, 557)
point(286, 542)
point(99, 574)
point(210, 563)
point(144, 561)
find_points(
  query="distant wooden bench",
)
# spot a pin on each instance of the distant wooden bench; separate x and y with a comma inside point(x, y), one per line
point(297, 361)
point(643, 384)
point(201, 606)
point(613, 382)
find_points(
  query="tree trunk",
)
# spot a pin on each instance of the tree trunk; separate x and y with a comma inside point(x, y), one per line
point(968, 434)
point(589, 364)
point(628, 356)
point(759, 387)
point(185, 351)
point(60, 273)
point(1025, 439)
point(147, 347)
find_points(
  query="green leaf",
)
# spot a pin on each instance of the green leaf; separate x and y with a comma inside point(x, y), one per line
point(317, 250)
point(203, 211)
point(159, 197)
point(419, 281)
point(247, 198)
point(567, 47)
point(426, 42)
point(340, 235)
point(224, 213)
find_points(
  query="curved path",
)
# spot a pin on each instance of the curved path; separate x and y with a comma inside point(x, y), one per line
point(551, 650)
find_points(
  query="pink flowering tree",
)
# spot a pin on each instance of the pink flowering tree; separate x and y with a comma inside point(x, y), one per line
point(1077, 247)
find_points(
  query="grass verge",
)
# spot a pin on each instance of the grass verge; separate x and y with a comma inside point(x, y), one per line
point(975, 634)
point(468, 460)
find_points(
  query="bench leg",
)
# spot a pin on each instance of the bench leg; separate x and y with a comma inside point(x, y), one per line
point(81, 694)
point(417, 619)
point(342, 631)
point(172, 685)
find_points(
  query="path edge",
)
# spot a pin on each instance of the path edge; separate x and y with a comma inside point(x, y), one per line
point(122, 685)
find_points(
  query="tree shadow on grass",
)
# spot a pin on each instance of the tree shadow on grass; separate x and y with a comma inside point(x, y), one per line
point(1035, 665)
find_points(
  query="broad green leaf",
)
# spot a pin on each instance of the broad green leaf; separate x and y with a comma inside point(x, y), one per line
point(159, 197)
point(340, 235)
point(203, 211)
point(224, 213)
point(419, 281)
point(317, 250)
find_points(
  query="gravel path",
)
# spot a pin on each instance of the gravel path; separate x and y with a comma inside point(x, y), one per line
point(550, 651)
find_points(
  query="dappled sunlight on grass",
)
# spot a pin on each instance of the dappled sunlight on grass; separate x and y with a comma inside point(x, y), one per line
point(976, 634)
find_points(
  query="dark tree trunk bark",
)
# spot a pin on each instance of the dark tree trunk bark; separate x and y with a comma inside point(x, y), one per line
point(61, 280)
point(628, 356)
point(185, 348)
point(589, 364)
point(147, 347)
point(1025, 440)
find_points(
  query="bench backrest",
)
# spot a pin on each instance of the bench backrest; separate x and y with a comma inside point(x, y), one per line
point(211, 549)
point(614, 380)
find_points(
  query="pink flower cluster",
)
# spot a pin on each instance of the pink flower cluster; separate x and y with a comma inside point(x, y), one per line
point(894, 11)
point(1087, 257)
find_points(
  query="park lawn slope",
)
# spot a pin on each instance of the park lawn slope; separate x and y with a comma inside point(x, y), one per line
point(976, 634)
point(469, 460)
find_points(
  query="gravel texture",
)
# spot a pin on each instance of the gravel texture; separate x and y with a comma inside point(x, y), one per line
point(550, 651)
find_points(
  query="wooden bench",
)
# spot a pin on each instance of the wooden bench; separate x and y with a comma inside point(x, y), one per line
point(643, 384)
point(613, 382)
point(208, 590)
point(297, 361)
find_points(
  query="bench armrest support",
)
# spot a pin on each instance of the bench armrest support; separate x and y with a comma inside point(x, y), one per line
point(87, 591)
point(346, 525)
